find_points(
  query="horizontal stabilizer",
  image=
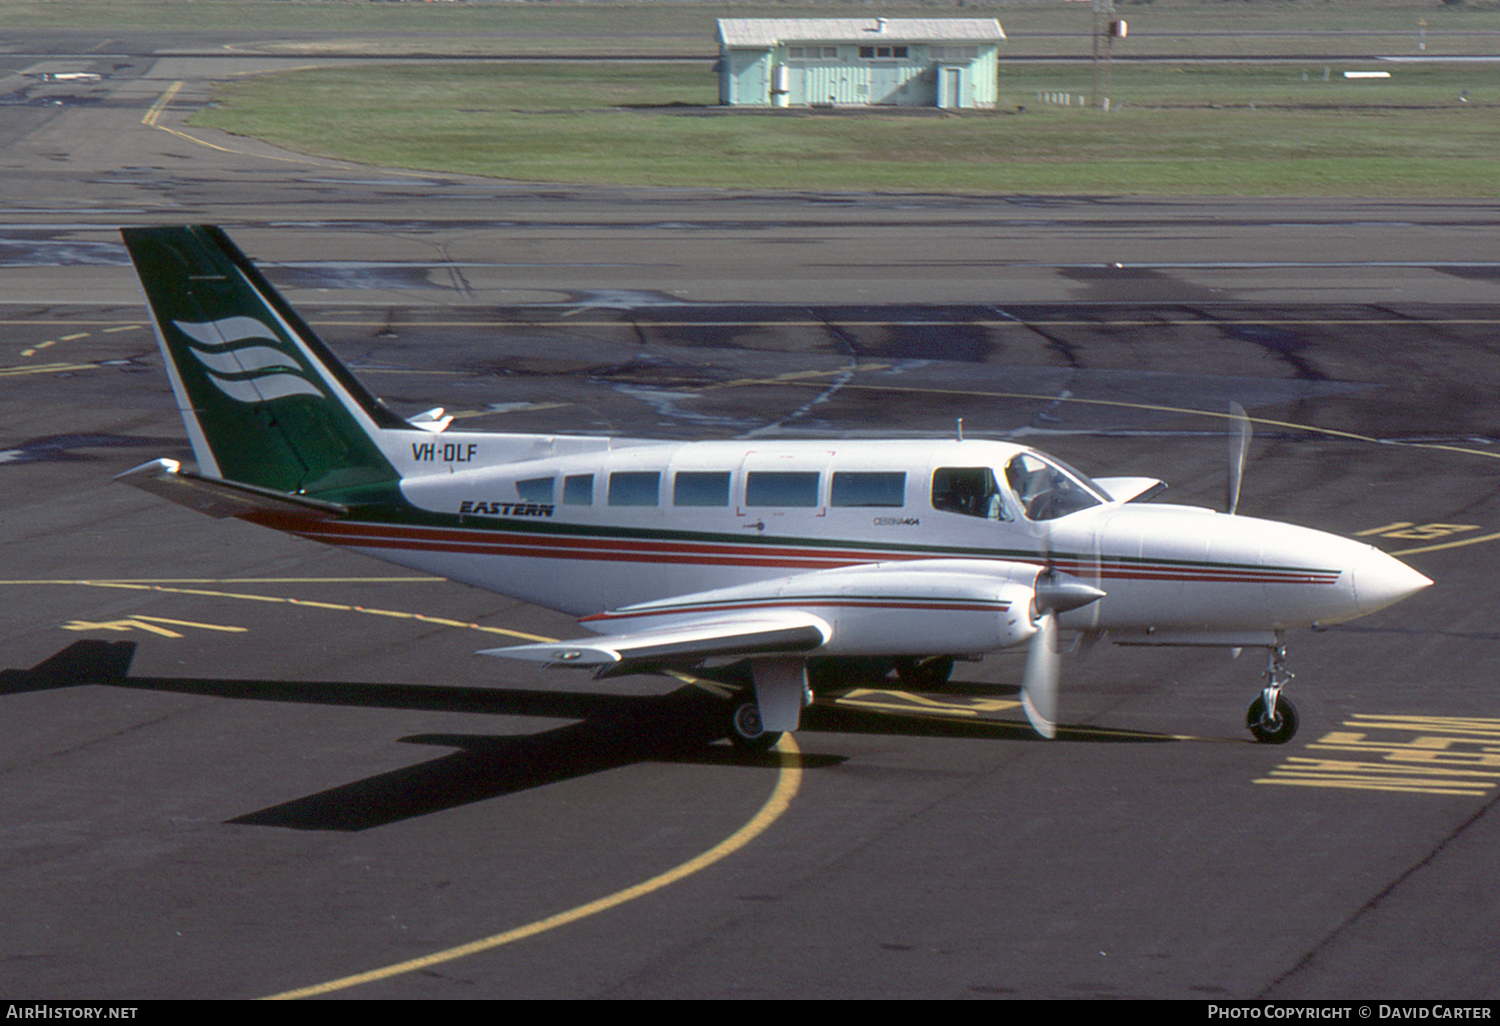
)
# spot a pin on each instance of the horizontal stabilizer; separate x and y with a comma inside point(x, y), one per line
point(219, 498)
point(789, 633)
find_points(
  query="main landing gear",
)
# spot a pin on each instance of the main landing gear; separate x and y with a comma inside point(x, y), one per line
point(932, 671)
point(773, 705)
point(746, 731)
point(1271, 717)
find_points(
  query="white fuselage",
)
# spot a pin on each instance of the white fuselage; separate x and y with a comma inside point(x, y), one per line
point(588, 525)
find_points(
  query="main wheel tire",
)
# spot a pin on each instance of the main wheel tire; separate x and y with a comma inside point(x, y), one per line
point(1282, 726)
point(928, 672)
point(746, 732)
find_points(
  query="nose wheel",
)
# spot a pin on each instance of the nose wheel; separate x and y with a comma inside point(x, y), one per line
point(1278, 727)
point(1271, 717)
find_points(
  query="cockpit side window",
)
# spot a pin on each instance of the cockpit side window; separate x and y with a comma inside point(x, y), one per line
point(1046, 491)
point(972, 491)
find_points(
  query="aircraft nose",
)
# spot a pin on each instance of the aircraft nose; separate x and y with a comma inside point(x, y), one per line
point(1381, 580)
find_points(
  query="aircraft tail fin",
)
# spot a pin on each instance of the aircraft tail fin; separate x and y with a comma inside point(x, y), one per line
point(265, 402)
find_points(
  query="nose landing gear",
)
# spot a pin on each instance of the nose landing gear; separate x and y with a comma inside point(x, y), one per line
point(1271, 717)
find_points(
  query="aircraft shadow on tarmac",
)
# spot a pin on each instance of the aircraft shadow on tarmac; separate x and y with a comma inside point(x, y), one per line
point(611, 731)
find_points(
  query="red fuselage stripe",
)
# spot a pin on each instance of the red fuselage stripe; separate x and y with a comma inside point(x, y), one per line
point(381, 536)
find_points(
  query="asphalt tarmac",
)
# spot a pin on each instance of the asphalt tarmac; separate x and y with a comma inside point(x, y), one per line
point(238, 765)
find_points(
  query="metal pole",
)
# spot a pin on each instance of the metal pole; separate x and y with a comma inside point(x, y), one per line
point(1094, 63)
point(1104, 12)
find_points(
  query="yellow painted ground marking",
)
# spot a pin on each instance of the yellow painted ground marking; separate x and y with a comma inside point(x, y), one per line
point(902, 701)
point(177, 588)
point(1376, 776)
point(1441, 755)
point(531, 408)
point(74, 338)
point(923, 707)
point(1447, 545)
point(1422, 532)
point(1397, 525)
point(1408, 529)
point(712, 688)
point(45, 368)
point(1477, 726)
point(122, 327)
point(149, 623)
point(161, 104)
point(1159, 408)
point(151, 120)
point(788, 780)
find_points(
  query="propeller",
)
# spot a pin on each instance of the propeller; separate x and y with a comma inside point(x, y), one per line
point(1055, 592)
point(1239, 444)
point(1039, 683)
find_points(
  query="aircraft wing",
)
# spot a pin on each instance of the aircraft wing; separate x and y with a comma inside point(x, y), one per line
point(915, 607)
point(788, 631)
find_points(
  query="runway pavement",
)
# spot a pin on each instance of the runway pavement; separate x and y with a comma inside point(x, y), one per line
point(237, 765)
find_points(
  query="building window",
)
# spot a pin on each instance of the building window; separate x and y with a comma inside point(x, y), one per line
point(896, 52)
point(700, 488)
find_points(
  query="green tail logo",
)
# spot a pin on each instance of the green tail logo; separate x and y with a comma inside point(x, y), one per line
point(264, 400)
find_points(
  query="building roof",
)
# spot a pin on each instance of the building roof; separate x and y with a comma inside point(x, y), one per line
point(760, 32)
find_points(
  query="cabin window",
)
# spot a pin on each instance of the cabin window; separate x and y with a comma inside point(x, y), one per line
point(1047, 491)
point(578, 490)
point(781, 488)
point(857, 488)
point(972, 491)
point(634, 488)
point(535, 489)
point(700, 488)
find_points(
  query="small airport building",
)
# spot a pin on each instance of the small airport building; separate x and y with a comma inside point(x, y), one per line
point(904, 62)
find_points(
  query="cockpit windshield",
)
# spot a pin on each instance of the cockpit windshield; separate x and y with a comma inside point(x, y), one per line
point(1049, 489)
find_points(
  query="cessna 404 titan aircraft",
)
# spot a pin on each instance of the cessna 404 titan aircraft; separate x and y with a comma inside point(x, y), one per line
point(693, 555)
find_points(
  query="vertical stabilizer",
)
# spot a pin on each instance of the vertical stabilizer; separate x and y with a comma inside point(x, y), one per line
point(265, 402)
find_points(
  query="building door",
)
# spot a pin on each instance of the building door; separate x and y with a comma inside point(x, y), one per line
point(885, 83)
point(750, 75)
point(952, 91)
